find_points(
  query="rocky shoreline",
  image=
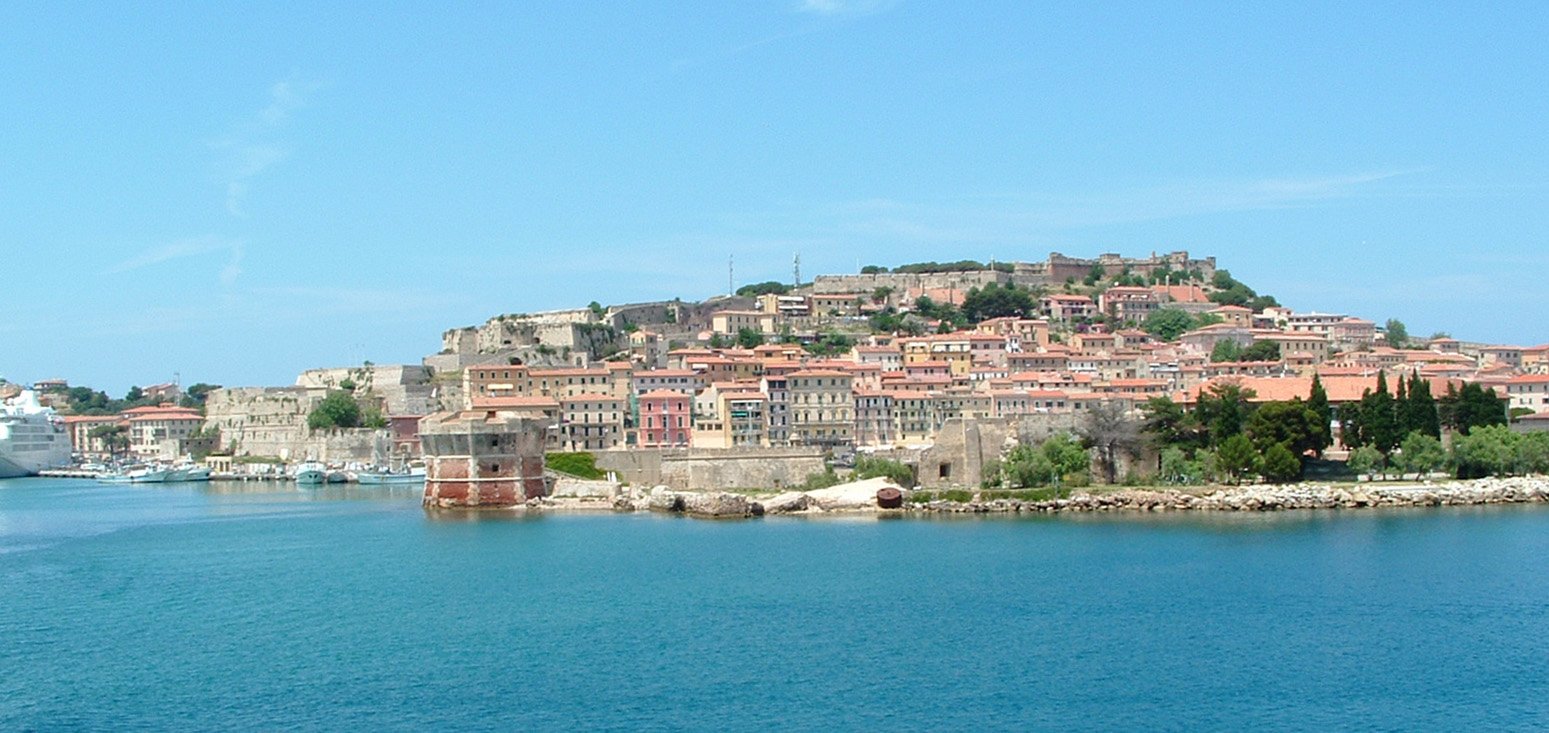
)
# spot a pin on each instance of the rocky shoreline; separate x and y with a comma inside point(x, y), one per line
point(861, 498)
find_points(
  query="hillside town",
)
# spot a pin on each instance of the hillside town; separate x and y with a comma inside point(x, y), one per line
point(940, 366)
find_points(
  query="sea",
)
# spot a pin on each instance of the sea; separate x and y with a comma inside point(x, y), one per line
point(221, 607)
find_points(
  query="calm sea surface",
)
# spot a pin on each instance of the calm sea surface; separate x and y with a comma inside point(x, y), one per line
point(232, 607)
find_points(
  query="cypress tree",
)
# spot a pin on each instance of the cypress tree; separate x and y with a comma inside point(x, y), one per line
point(1379, 421)
point(1424, 417)
point(1401, 408)
point(1317, 401)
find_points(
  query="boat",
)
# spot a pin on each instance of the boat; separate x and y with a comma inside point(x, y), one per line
point(136, 475)
point(311, 472)
point(378, 478)
point(32, 437)
point(197, 473)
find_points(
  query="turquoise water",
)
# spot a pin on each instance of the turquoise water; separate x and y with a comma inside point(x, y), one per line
point(189, 607)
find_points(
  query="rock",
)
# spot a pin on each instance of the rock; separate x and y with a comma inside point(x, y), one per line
point(717, 504)
point(853, 495)
point(790, 501)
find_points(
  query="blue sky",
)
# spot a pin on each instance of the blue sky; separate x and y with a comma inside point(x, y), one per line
point(239, 192)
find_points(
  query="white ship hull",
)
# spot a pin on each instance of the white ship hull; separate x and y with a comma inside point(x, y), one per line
point(32, 439)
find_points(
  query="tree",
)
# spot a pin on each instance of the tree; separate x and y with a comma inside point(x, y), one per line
point(831, 344)
point(1170, 425)
point(135, 395)
point(197, 394)
point(1421, 454)
point(1471, 407)
point(1379, 419)
point(1168, 324)
point(115, 438)
point(1317, 401)
point(1178, 469)
point(1420, 412)
point(748, 338)
point(1223, 410)
point(1289, 423)
point(1396, 334)
point(1095, 275)
point(1237, 458)
point(764, 288)
point(1533, 453)
point(337, 410)
point(1261, 351)
point(870, 467)
point(1226, 350)
point(1280, 465)
point(1486, 450)
point(1110, 432)
point(1058, 459)
point(1365, 460)
point(994, 301)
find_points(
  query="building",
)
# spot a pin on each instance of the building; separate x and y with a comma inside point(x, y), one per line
point(666, 419)
point(822, 408)
point(151, 427)
point(1529, 392)
point(590, 421)
point(1129, 304)
point(1067, 308)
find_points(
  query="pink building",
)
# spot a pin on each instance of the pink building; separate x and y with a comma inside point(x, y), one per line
point(665, 419)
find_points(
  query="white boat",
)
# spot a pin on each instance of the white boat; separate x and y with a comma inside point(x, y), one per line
point(311, 472)
point(197, 473)
point(412, 476)
point(136, 475)
point(32, 437)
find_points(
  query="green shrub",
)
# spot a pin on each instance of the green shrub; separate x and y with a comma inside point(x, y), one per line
point(961, 496)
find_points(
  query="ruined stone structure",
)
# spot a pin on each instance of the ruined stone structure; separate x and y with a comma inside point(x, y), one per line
point(1058, 268)
point(481, 459)
point(902, 282)
point(403, 389)
point(272, 421)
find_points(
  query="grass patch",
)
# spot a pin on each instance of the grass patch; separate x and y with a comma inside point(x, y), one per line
point(580, 465)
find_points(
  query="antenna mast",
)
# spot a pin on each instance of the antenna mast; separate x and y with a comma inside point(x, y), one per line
point(796, 269)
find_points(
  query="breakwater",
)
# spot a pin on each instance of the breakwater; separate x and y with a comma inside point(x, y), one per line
point(861, 497)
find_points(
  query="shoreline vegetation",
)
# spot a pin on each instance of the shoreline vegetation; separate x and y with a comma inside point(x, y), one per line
point(860, 498)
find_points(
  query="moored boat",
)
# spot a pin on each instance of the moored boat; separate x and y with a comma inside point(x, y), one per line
point(311, 472)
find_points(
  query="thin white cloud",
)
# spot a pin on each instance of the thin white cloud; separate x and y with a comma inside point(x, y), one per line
point(252, 148)
point(172, 251)
point(844, 7)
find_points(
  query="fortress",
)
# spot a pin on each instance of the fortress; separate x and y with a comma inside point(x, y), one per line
point(1056, 269)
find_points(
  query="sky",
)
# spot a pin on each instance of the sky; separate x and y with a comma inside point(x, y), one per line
point(234, 193)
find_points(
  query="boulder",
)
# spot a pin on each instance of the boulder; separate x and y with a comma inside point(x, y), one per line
point(790, 501)
point(717, 504)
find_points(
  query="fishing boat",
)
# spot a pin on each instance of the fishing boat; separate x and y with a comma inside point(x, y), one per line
point(311, 472)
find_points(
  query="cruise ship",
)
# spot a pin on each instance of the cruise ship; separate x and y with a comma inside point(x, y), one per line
point(32, 437)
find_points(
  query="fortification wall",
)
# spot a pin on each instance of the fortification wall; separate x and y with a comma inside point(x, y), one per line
point(899, 282)
point(701, 469)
